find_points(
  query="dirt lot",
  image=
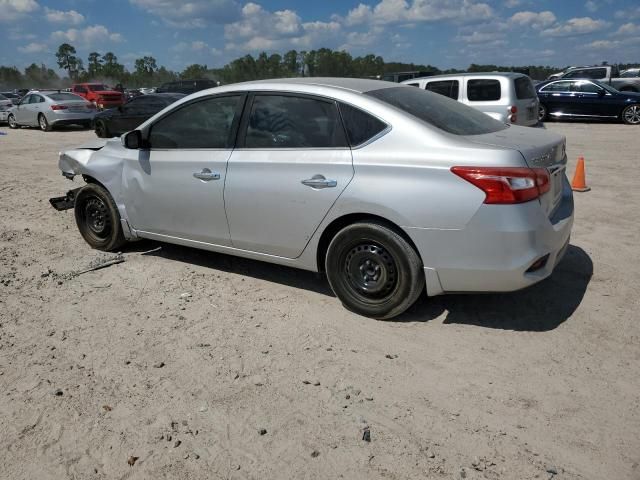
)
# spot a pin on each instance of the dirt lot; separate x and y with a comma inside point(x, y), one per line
point(118, 363)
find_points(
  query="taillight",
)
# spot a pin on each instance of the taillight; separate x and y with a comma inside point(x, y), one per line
point(507, 185)
point(59, 107)
point(513, 110)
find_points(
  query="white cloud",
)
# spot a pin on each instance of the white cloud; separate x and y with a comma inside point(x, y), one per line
point(591, 6)
point(629, 14)
point(536, 20)
point(89, 36)
point(33, 48)
point(628, 29)
point(481, 37)
point(58, 16)
point(398, 11)
point(260, 29)
point(191, 13)
point(512, 3)
point(12, 10)
point(602, 45)
point(576, 26)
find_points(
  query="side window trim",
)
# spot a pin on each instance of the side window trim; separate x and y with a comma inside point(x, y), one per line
point(241, 134)
point(233, 133)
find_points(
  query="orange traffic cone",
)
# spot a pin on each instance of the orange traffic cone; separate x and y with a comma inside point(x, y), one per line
point(579, 183)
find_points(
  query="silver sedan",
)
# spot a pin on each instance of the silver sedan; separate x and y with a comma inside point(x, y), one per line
point(389, 189)
point(48, 109)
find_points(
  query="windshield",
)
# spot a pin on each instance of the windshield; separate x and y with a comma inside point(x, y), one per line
point(98, 88)
point(61, 97)
point(440, 111)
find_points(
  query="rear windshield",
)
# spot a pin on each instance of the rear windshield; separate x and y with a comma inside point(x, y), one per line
point(61, 97)
point(437, 110)
point(524, 88)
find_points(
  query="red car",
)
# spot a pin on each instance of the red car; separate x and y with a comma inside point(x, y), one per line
point(99, 94)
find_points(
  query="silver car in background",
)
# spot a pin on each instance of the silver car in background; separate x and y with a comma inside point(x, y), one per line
point(506, 96)
point(49, 109)
point(388, 189)
point(5, 106)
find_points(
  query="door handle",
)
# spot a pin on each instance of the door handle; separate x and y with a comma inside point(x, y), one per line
point(318, 182)
point(206, 175)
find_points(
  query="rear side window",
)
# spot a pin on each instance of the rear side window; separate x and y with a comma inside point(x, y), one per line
point(204, 124)
point(278, 121)
point(448, 88)
point(483, 90)
point(524, 88)
point(361, 127)
point(437, 110)
point(558, 87)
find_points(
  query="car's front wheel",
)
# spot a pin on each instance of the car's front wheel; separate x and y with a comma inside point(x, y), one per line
point(542, 112)
point(373, 270)
point(98, 219)
point(44, 124)
point(631, 115)
point(12, 122)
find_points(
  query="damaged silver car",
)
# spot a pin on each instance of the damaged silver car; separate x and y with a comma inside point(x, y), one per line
point(389, 189)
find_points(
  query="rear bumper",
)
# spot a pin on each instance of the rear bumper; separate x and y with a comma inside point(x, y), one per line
point(71, 118)
point(495, 252)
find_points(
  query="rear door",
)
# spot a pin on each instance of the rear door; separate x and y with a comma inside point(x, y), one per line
point(291, 164)
point(526, 101)
point(559, 97)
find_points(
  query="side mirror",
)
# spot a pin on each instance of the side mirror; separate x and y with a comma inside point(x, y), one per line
point(132, 140)
point(602, 92)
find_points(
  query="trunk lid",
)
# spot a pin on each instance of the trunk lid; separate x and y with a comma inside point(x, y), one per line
point(540, 149)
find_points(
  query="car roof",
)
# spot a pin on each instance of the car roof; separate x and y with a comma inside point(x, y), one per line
point(359, 85)
point(469, 74)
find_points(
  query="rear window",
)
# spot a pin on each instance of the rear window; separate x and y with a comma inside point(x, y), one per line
point(448, 88)
point(483, 90)
point(439, 111)
point(361, 127)
point(524, 88)
point(61, 97)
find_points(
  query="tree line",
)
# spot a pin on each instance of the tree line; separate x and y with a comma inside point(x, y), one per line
point(323, 62)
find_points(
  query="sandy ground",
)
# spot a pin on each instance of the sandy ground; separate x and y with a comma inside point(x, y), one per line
point(116, 364)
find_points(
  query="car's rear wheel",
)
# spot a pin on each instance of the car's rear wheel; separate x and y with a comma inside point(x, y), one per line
point(373, 270)
point(102, 130)
point(12, 122)
point(43, 123)
point(542, 112)
point(631, 115)
point(98, 219)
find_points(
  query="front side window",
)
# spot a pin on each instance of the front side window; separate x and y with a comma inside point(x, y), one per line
point(361, 126)
point(594, 73)
point(483, 90)
point(588, 87)
point(278, 121)
point(630, 74)
point(448, 88)
point(203, 124)
point(98, 88)
point(36, 99)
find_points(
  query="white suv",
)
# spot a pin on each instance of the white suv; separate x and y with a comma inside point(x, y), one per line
point(506, 96)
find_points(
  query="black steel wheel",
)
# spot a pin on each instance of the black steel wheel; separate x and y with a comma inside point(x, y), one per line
point(373, 270)
point(98, 219)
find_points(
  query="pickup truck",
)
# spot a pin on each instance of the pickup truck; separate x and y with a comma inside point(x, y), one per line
point(99, 94)
point(627, 81)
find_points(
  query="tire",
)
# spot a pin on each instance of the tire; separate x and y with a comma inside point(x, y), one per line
point(43, 123)
point(631, 115)
point(373, 270)
point(542, 112)
point(102, 130)
point(11, 120)
point(98, 219)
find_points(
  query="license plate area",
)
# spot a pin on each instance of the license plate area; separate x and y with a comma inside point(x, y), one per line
point(557, 175)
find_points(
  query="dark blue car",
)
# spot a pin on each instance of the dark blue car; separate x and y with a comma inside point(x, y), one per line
point(587, 99)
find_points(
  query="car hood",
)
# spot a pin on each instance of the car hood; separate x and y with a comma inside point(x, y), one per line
point(539, 147)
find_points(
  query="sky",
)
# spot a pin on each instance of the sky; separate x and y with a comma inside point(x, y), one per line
point(443, 33)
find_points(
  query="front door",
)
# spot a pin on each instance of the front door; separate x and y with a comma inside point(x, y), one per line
point(593, 100)
point(175, 187)
point(291, 164)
